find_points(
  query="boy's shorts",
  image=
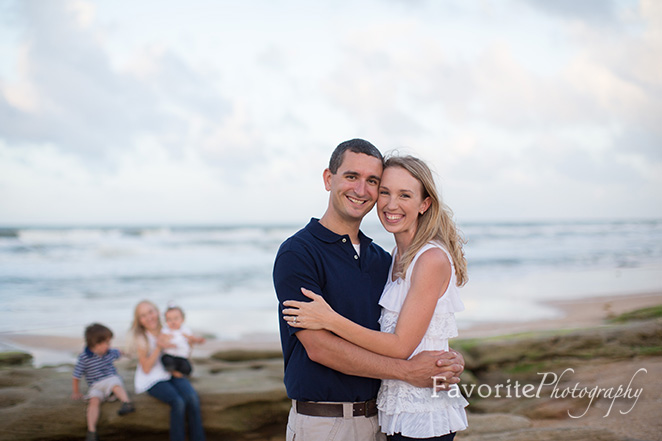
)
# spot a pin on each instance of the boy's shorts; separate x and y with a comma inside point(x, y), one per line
point(102, 389)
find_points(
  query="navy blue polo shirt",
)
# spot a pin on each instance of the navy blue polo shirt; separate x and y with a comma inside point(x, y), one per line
point(327, 263)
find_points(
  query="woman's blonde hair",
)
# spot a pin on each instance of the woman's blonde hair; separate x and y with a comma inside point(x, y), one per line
point(138, 334)
point(435, 224)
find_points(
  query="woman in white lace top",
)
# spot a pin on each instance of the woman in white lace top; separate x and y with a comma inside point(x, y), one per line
point(418, 303)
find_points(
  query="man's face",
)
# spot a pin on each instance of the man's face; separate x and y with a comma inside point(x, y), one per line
point(354, 187)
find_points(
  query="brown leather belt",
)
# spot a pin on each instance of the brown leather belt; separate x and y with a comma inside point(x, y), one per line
point(311, 408)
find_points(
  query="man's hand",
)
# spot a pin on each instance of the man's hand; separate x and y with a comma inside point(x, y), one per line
point(427, 364)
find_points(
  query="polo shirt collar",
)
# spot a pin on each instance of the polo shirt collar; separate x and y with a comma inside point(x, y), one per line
point(325, 235)
point(89, 352)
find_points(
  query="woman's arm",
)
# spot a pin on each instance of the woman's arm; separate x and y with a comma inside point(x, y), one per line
point(430, 278)
point(148, 360)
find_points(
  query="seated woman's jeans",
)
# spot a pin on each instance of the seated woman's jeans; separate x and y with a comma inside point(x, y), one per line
point(184, 403)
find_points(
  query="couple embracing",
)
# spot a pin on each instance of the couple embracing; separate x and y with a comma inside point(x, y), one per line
point(362, 331)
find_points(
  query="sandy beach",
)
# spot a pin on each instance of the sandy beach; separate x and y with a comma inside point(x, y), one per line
point(578, 313)
point(575, 314)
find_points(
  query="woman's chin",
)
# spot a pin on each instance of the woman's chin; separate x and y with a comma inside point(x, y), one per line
point(390, 228)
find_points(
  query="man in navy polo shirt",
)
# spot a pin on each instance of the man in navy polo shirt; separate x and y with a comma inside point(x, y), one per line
point(333, 383)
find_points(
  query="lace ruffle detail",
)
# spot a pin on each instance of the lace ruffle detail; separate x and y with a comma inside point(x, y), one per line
point(396, 396)
point(442, 325)
point(416, 412)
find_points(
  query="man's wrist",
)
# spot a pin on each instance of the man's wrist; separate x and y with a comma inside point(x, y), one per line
point(401, 370)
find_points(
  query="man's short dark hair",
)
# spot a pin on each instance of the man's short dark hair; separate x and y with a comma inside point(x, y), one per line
point(353, 145)
point(96, 333)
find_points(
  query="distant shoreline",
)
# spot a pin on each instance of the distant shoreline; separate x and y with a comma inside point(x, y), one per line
point(576, 314)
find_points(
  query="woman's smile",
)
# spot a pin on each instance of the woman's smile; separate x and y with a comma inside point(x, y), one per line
point(393, 218)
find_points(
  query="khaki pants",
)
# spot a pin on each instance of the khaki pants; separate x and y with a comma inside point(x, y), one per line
point(311, 428)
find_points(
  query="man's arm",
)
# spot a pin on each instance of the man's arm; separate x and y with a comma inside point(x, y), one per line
point(333, 352)
point(293, 271)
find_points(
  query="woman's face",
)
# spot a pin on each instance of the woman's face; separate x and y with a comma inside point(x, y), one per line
point(148, 316)
point(400, 201)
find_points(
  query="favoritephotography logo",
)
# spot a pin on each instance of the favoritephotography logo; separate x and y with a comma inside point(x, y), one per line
point(555, 386)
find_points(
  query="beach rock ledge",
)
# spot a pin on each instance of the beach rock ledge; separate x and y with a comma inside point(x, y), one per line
point(243, 397)
point(240, 400)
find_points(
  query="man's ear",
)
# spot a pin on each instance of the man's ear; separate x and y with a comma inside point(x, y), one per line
point(326, 175)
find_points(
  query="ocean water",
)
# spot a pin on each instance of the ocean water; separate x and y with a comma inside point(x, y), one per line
point(58, 280)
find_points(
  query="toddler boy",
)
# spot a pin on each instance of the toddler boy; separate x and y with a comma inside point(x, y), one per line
point(96, 364)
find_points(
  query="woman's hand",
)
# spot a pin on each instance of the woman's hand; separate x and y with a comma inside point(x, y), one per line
point(309, 315)
point(163, 341)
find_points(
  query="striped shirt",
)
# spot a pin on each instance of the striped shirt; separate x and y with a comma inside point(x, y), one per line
point(95, 367)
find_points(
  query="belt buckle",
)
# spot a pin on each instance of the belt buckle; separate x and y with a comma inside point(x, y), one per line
point(361, 409)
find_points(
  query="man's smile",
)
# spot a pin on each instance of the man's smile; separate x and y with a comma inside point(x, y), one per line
point(356, 201)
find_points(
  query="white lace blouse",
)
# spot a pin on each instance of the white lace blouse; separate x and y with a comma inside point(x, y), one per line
point(143, 381)
point(413, 411)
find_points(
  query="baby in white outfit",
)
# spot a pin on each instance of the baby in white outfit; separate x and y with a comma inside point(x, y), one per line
point(175, 359)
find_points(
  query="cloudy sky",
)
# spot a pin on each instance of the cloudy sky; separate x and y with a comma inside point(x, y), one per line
point(171, 112)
